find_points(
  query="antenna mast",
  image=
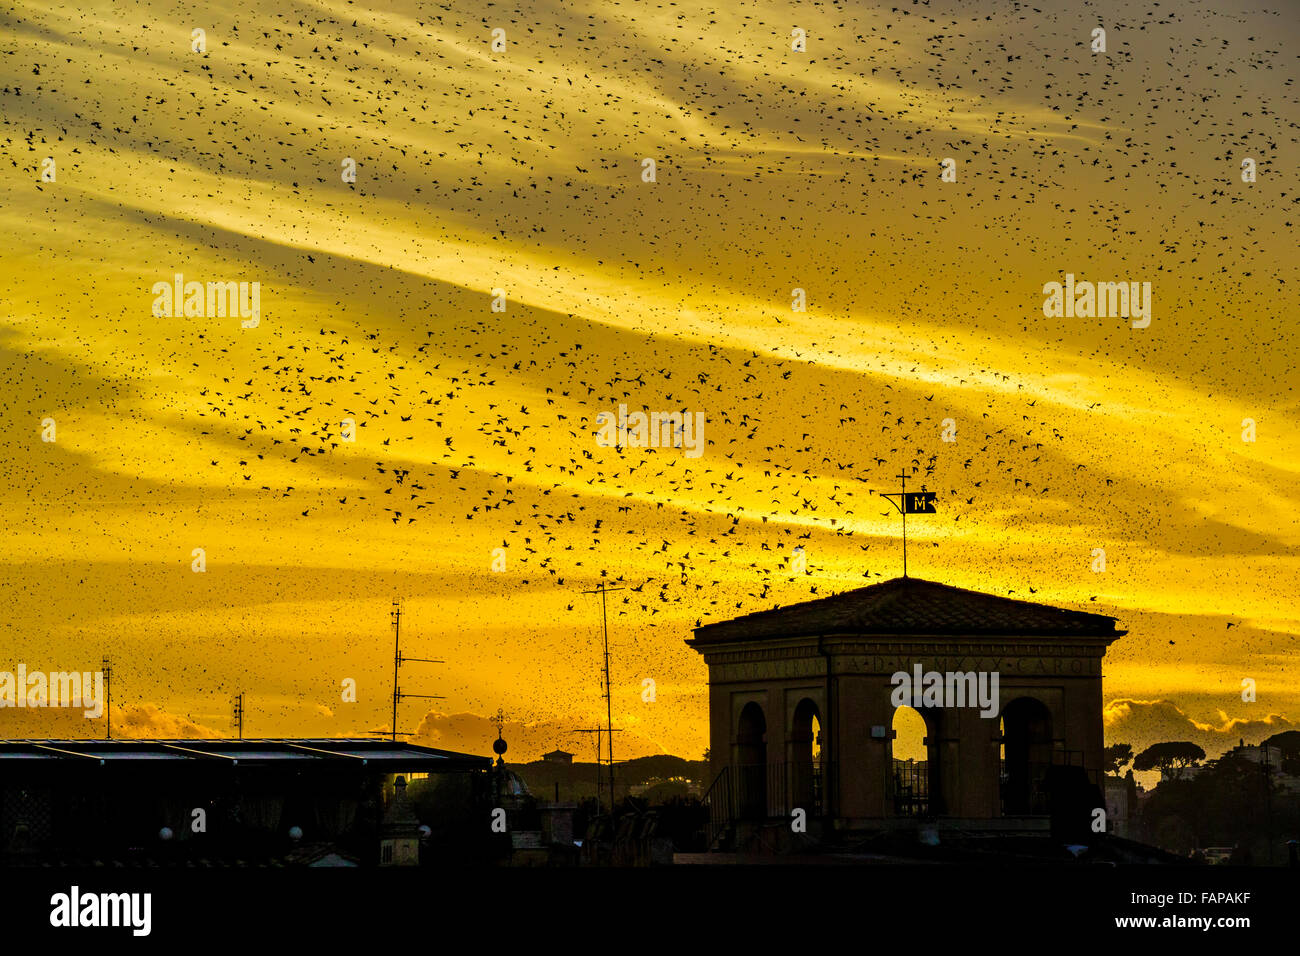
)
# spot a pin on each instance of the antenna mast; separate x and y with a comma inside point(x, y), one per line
point(609, 706)
point(398, 660)
point(108, 707)
point(397, 655)
point(598, 731)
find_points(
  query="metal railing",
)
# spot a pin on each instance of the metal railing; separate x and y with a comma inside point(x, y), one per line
point(1028, 792)
point(719, 799)
point(755, 792)
point(910, 788)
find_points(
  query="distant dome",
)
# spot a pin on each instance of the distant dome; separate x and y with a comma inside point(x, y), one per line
point(509, 787)
point(512, 785)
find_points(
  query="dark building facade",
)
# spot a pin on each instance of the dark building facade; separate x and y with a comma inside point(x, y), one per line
point(802, 706)
point(216, 801)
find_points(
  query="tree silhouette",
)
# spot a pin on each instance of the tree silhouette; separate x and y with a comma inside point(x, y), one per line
point(1115, 756)
point(1165, 756)
point(1227, 804)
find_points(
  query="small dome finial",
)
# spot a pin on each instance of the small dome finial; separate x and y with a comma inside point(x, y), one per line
point(499, 745)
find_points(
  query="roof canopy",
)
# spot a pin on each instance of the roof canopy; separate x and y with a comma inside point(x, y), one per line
point(384, 756)
point(909, 606)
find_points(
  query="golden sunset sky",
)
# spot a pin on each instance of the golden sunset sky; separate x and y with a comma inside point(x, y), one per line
point(521, 170)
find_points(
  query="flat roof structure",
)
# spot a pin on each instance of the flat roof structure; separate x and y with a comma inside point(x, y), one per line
point(380, 756)
point(281, 801)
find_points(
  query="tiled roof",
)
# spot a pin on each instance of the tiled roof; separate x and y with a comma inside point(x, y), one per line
point(909, 606)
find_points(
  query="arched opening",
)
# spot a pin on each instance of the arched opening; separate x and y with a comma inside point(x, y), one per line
point(1026, 757)
point(910, 763)
point(806, 771)
point(751, 762)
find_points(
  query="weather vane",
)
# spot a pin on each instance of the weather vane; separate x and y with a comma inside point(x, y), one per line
point(910, 502)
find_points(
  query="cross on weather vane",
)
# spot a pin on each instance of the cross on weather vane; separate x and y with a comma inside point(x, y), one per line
point(910, 502)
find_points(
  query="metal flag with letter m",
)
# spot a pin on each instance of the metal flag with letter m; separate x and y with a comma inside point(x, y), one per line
point(919, 502)
point(911, 502)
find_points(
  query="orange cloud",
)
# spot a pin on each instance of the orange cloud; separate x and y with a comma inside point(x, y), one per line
point(471, 733)
point(147, 721)
point(1144, 722)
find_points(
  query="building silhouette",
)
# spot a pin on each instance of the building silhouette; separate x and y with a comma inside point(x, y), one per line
point(211, 802)
point(801, 717)
point(399, 835)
